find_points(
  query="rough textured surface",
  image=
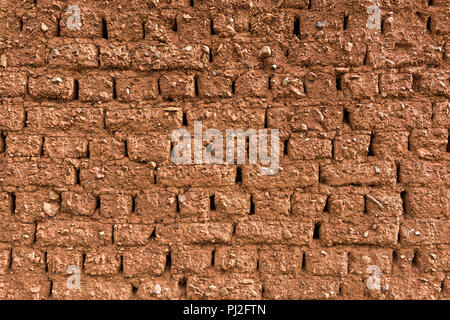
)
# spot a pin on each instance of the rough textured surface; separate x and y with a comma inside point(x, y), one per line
point(86, 177)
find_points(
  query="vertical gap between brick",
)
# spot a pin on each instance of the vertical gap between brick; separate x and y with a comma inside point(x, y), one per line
point(404, 206)
point(213, 255)
point(296, 30)
point(191, 3)
point(58, 27)
point(175, 24)
point(366, 55)
point(414, 259)
point(398, 171)
point(429, 24)
point(285, 146)
point(212, 204)
point(133, 203)
point(304, 261)
point(25, 119)
point(10, 262)
point(365, 204)
point(252, 206)
point(370, 151)
point(77, 176)
point(177, 199)
point(112, 235)
point(83, 261)
point(309, 4)
point(114, 89)
point(13, 203)
point(168, 261)
point(238, 175)
point(21, 24)
point(211, 58)
point(345, 21)
point(326, 208)
point(45, 261)
point(346, 117)
point(382, 25)
point(76, 89)
point(42, 151)
point(316, 233)
point(121, 264)
point(339, 82)
point(143, 30)
point(125, 145)
point(211, 27)
point(196, 85)
point(104, 29)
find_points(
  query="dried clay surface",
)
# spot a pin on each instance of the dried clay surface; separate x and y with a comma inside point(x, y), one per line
point(91, 91)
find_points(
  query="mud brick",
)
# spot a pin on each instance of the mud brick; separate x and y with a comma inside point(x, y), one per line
point(441, 114)
point(38, 173)
point(227, 118)
point(12, 117)
point(225, 287)
point(177, 86)
point(15, 287)
point(71, 233)
point(196, 175)
point(132, 234)
point(387, 55)
point(194, 203)
point(170, 56)
point(326, 262)
point(305, 148)
point(231, 203)
point(189, 259)
point(322, 54)
point(115, 56)
point(360, 86)
point(37, 205)
point(353, 288)
point(391, 115)
point(56, 86)
point(151, 147)
point(116, 205)
point(272, 232)
point(282, 287)
point(236, 259)
point(91, 23)
point(320, 85)
point(66, 147)
point(402, 288)
point(193, 24)
point(144, 119)
point(60, 259)
point(288, 86)
point(106, 148)
point(159, 25)
point(96, 88)
point(396, 85)
point(193, 233)
point(102, 262)
point(351, 146)
point(13, 84)
point(362, 258)
point(271, 204)
point(91, 288)
point(6, 204)
point(5, 258)
point(429, 143)
point(156, 288)
point(346, 204)
point(425, 231)
point(23, 145)
point(213, 86)
point(28, 259)
point(74, 56)
point(434, 83)
point(227, 25)
point(318, 118)
point(313, 26)
point(16, 232)
point(85, 119)
point(424, 173)
point(383, 204)
point(76, 203)
point(350, 172)
point(137, 89)
point(390, 144)
point(286, 260)
point(253, 83)
point(427, 203)
point(157, 204)
point(433, 259)
point(302, 174)
point(127, 176)
point(125, 26)
point(143, 261)
point(308, 204)
point(365, 231)
point(404, 27)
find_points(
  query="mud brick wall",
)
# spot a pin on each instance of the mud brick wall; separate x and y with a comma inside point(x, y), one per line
point(358, 210)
